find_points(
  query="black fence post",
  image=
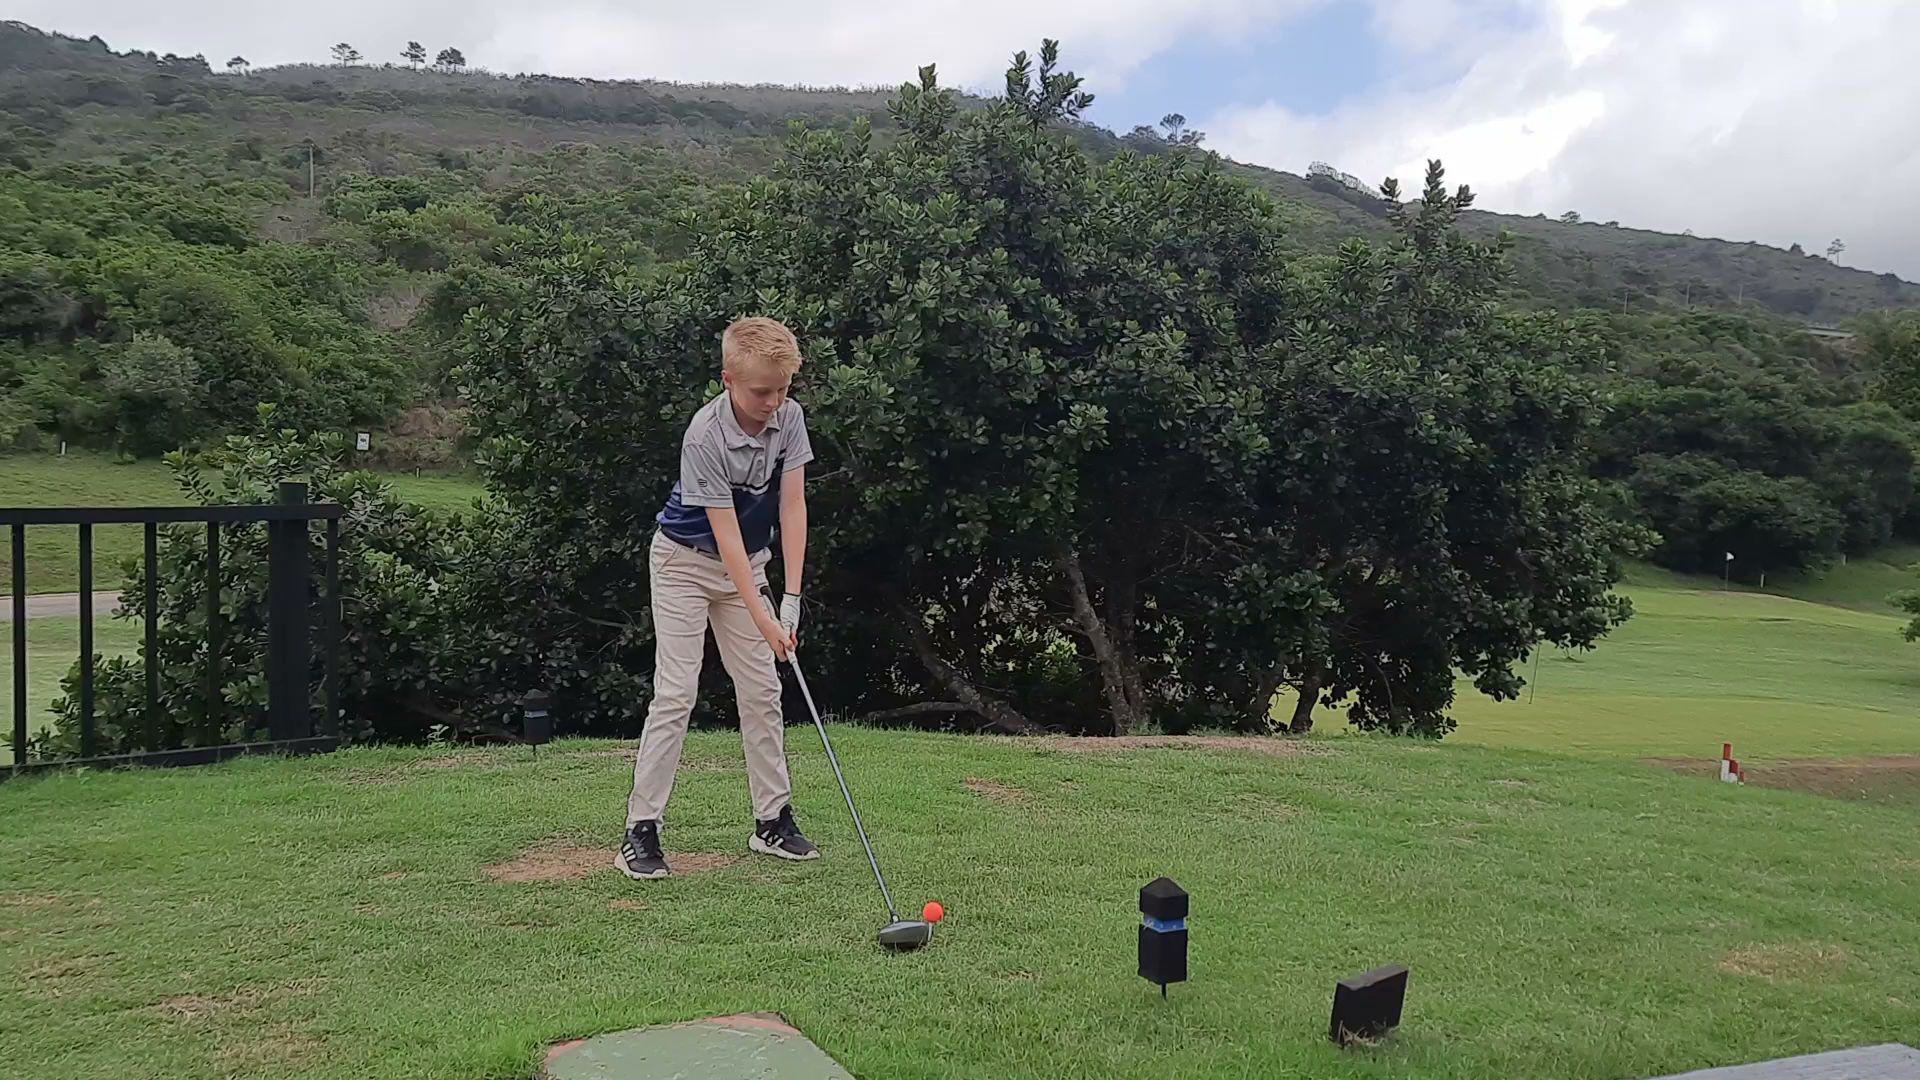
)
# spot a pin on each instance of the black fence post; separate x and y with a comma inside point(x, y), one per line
point(215, 699)
point(289, 644)
point(331, 725)
point(152, 559)
point(86, 639)
point(19, 644)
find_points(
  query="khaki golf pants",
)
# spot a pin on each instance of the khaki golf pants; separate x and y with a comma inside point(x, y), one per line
point(692, 591)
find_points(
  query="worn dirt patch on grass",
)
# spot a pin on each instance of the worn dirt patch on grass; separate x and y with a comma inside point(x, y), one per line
point(994, 791)
point(277, 1048)
point(1776, 962)
point(1884, 776)
point(62, 975)
point(1254, 743)
point(552, 861)
point(627, 905)
point(700, 862)
point(563, 861)
point(190, 1008)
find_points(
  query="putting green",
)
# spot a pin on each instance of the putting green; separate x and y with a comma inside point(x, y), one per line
point(749, 1046)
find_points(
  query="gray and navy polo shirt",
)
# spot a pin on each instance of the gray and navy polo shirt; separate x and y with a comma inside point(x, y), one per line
point(722, 465)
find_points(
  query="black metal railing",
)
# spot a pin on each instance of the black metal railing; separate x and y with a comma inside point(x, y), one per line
point(291, 726)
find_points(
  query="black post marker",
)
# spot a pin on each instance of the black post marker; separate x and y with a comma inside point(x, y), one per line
point(536, 719)
point(1368, 1005)
point(1163, 933)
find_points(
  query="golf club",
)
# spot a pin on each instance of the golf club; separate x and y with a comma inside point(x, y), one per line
point(901, 933)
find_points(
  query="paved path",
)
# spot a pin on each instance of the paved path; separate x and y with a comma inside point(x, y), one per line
point(43, 605)
point(1888, 1061)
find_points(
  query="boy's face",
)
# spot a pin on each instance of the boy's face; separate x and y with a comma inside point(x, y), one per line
point(757, 391)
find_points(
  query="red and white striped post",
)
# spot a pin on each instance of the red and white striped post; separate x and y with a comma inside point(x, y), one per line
point(1729, 767)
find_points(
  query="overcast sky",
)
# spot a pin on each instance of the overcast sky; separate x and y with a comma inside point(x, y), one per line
point(1781, 121)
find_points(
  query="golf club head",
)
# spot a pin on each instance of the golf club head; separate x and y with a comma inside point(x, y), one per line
point(904, 934)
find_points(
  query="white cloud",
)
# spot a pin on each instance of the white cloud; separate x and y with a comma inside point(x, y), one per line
point(1774, 120)
point(819, 42)
point(849, 42)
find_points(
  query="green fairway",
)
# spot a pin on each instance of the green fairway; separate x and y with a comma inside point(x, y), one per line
point(1861, 581)
point(1561, 918)
point(437, 490)
point(53, 646)
point(84, 479)
point(1693, 669)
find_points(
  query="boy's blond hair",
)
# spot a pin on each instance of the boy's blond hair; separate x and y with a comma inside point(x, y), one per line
point(759, 342)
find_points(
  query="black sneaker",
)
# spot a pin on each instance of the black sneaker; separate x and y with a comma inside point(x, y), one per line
point(639, 857)
point(781, 837)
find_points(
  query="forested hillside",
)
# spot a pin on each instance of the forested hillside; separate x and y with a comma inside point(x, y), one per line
point(180, 241)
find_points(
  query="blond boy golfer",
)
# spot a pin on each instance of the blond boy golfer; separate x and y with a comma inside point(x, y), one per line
point(742, 468)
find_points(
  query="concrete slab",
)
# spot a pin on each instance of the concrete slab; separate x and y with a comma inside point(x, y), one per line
point(746, 1046)
point(1888, 1061)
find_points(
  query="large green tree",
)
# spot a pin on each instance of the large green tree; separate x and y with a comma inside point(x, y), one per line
point(1757, 455)
point(1427, 510)
point(1059, 409)
point(1892, 344)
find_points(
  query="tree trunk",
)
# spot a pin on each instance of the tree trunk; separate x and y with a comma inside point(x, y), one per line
point(1310, 684)
point(1266, 686)
point(998, 714)
point(912, 712)
point(1113, 677)
point(1120, 615)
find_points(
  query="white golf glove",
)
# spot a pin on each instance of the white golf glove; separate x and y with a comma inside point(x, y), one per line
point(790, 614)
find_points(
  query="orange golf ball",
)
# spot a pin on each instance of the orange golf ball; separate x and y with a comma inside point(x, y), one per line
point(933, 912)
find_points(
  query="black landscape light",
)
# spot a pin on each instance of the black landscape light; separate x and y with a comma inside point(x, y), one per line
point(536, 719)
point(1367, 1006)
point(1163, 933)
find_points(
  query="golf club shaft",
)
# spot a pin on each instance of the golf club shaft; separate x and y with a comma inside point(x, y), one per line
point(794, 662)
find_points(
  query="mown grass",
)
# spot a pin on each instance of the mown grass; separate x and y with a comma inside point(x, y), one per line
point(1692, 669)
point(1563, 918)
point(1864, 581)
